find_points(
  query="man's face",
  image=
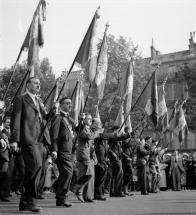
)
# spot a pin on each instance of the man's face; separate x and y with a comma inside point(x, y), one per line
point(149, 141)
point(66, 105)
point(88, 120)
point(7, 124)
point(34, 86)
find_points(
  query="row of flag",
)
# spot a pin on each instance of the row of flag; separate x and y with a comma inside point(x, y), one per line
point(151, 101)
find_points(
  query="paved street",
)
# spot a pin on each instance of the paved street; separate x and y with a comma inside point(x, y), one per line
point(164, 203)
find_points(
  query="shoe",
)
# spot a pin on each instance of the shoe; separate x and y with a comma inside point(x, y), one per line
point(144, 193)
point(18, 192)
point(89, 200)
point(128, 194)
point(106, 192)
point(64, 204)
point(41, 197)
point(121, 195)
point(28, 207)
point(101, 198)
point(79, 197)
point(5, 199)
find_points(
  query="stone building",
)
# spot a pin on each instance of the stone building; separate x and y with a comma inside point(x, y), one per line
point(176, 87)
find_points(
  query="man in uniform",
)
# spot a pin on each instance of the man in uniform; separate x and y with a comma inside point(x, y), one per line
point(62, 135)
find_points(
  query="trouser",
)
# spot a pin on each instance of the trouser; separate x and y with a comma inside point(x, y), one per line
point(127, 172)
point(43, 170)
point(176, 178)
point(142, 178)
point(65, 168)
point(88, 192)
point(153, 173)
point(85, 173)
point(108, 179)
point(32, 155)
point(117, 178)
point(18, 173)
point(4, 179)
point(100, 176)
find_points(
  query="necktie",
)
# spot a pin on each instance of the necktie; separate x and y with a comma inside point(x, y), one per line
point(38, 107)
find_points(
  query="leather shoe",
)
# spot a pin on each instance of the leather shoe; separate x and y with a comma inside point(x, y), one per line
point(144, 193)
point(89, 200)
point(5, 199)
point(121, 195)
point(63, 204)
point(101, 198)
point(18, 192)
point(40, 196)
point(80, 197)
point(28, 207)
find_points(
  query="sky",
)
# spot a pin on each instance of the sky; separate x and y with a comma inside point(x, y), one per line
point(168, 22)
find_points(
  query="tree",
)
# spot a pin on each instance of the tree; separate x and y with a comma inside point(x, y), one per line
point(46, 75)
point(119, 52)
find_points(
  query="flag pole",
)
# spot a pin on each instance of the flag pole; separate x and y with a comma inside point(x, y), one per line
point(7, 109)
point(62, 88)
point(14, 68)
point(74, 89)
point(11, 75)
point(90, 86)
point(139, 96)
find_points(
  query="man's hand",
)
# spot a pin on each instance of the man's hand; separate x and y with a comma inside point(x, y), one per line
point(3, 145)
point(14, 146)
point(54, 155)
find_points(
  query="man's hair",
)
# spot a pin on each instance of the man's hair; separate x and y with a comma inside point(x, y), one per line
point(126, 128)
point(115, 127)
point(63, 99)
point(147, 138)
point(34, 77)
point(6, 117)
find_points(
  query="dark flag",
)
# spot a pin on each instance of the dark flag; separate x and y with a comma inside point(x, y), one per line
point(102, 66)
point(87, 54)
point(148, 100)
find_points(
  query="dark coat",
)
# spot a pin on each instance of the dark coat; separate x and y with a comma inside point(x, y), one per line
point(61, 137)
point(142, 154)
point(179, 163)
point(26, 125)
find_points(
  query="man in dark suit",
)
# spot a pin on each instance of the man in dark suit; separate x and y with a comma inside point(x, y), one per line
point(115, 156)
point(62, 135)
point(142, 159)
point(4, 168)
point(176, 168)
point(27, 123)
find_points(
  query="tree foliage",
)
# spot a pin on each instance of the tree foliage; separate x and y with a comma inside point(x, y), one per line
point(119, 52)
point(47, 78)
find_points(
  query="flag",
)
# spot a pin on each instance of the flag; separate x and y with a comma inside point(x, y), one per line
point(78, 102)
point(52, 97)
point(87, 53)
point(120, 117)
point(148, 100)
point(22, 88)
point(97, 115)
point(126, 90)
point(102, 66)
point(34, 37)
point(181, 126)
point(162, 110)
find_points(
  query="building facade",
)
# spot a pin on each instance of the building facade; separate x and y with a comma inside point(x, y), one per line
point(176, 88)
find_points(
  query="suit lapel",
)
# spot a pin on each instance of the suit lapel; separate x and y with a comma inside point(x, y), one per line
point(30, 101)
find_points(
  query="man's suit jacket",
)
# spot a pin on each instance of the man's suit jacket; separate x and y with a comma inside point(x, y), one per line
point(61, 137)
point(179, 163)
point(26, 125)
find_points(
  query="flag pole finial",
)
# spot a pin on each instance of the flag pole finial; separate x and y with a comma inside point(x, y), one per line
point(107, 25)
